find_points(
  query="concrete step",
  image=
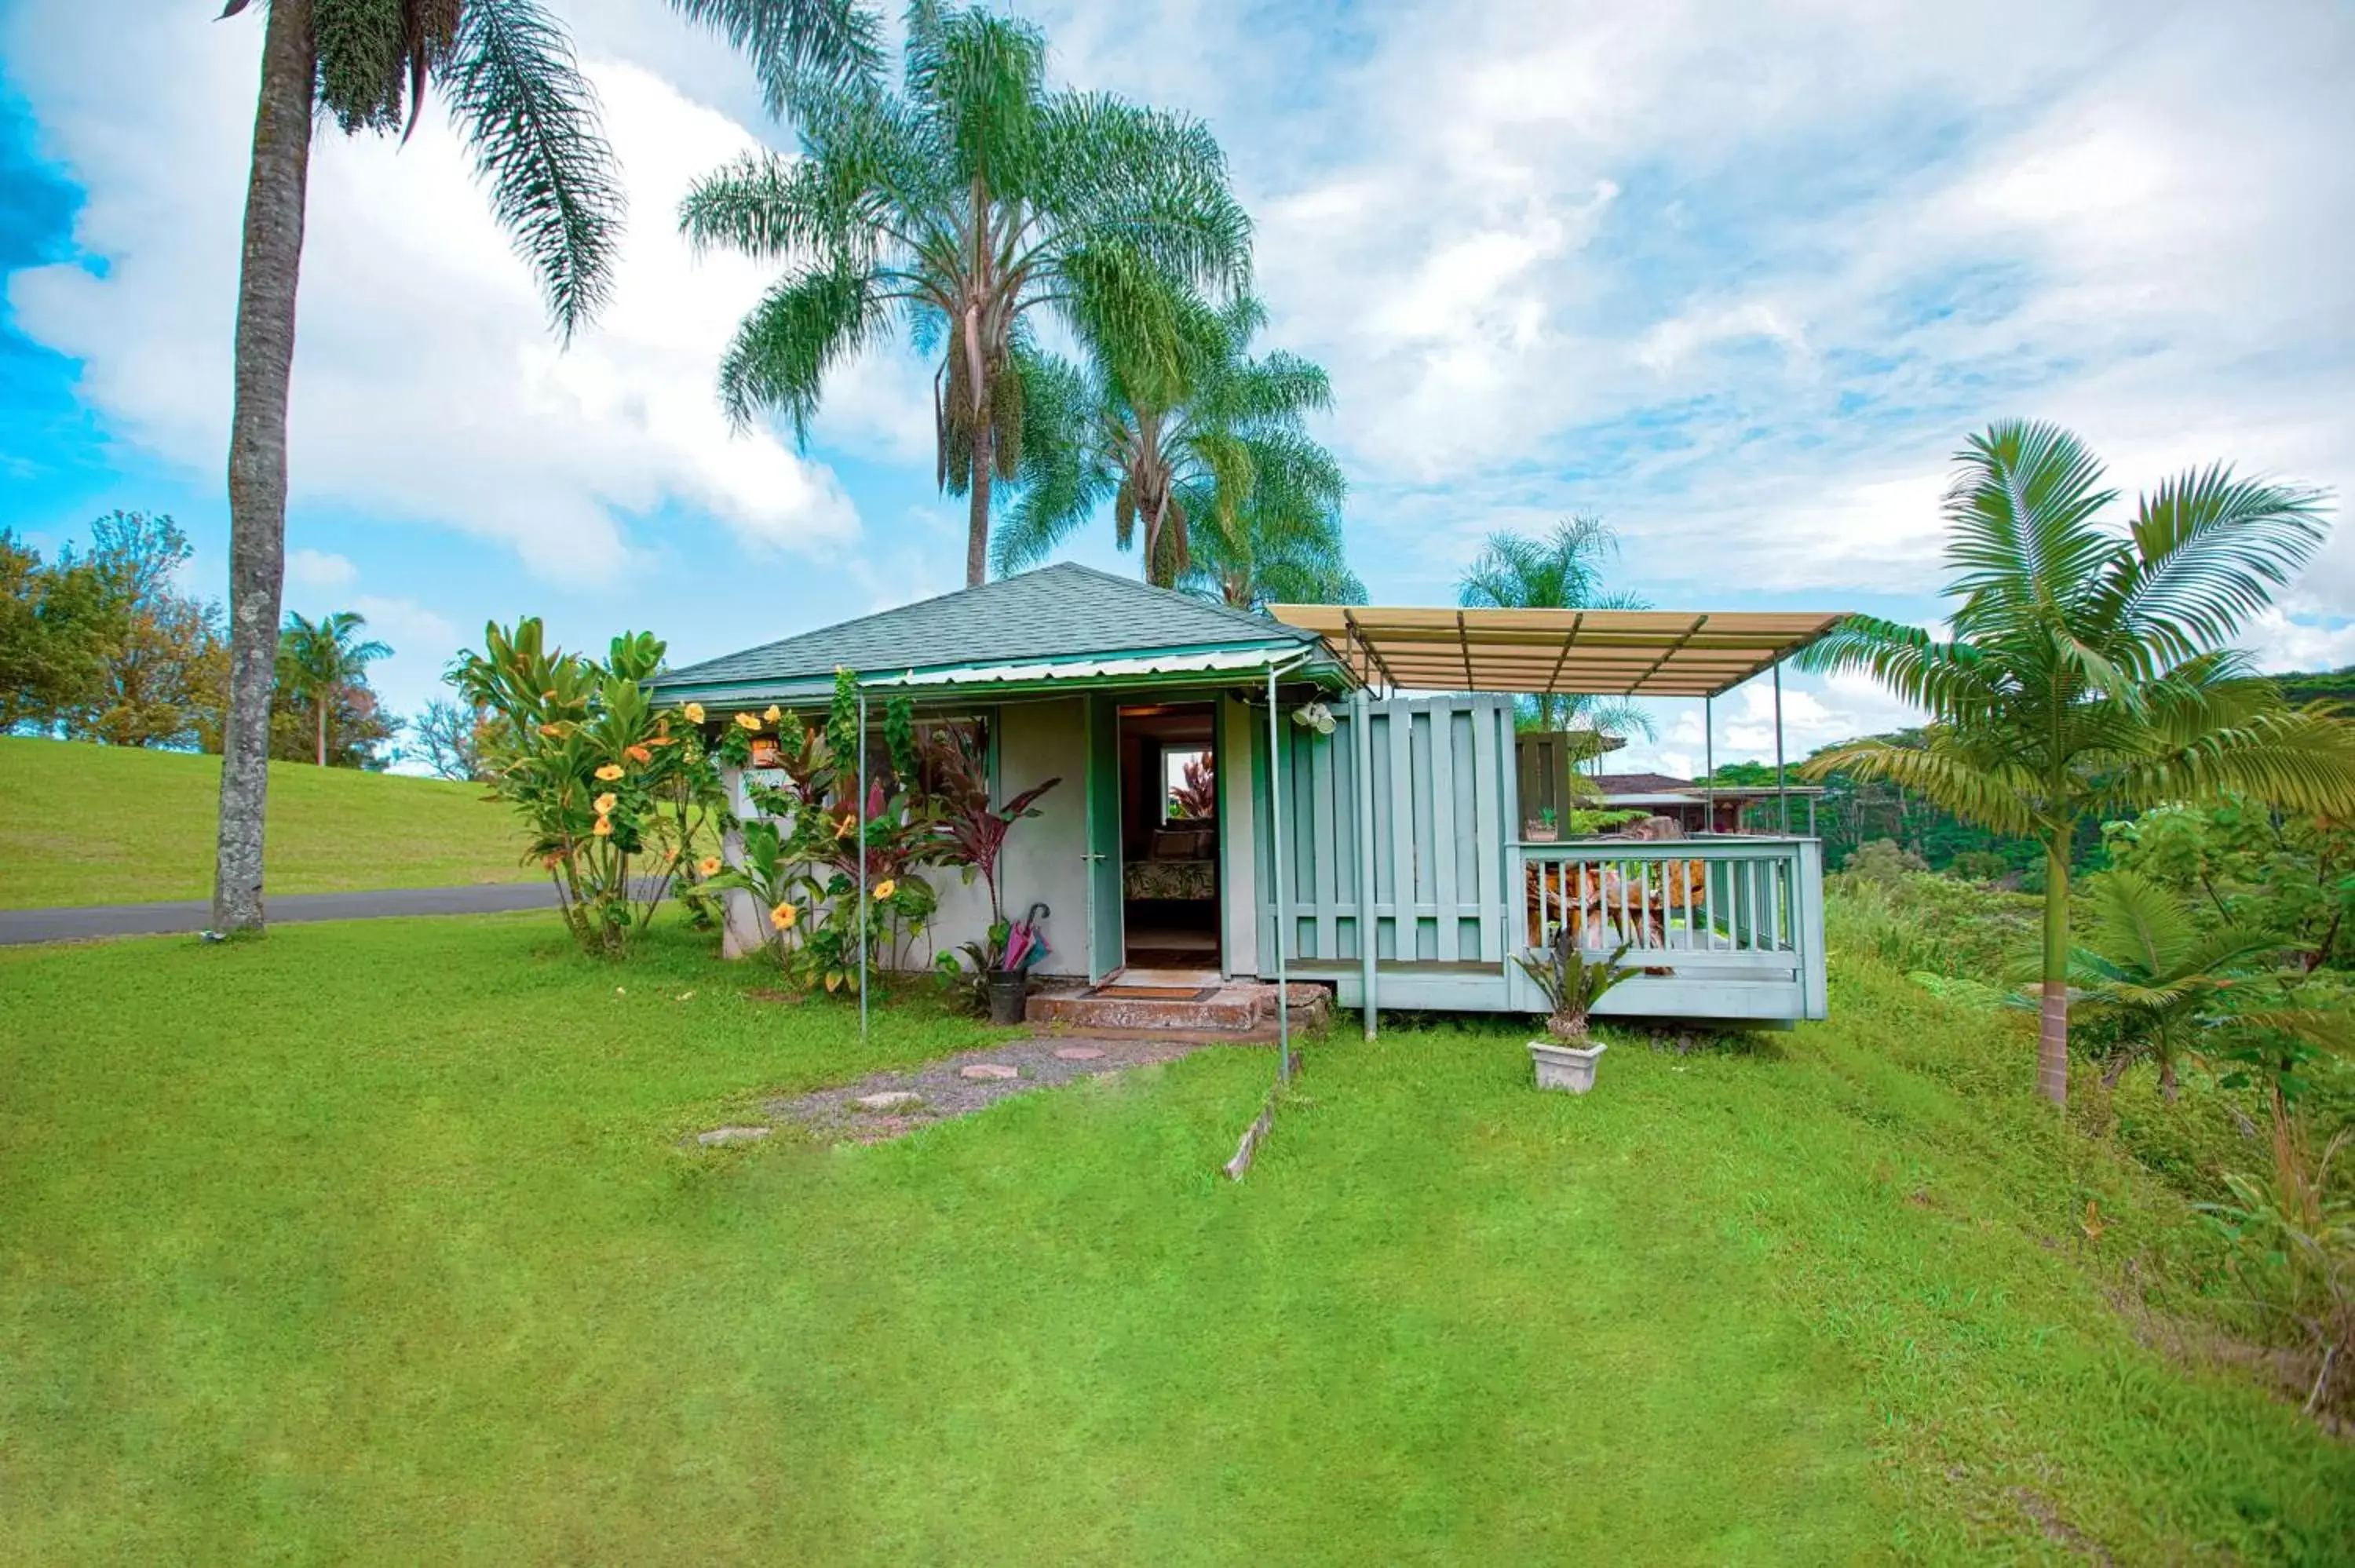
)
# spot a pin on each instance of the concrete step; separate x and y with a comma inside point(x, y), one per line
point(1238, 1009)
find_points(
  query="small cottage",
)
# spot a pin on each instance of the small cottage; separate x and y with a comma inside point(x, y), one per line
point(1327, 794)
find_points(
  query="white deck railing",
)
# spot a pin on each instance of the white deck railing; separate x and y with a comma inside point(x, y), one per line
point(1718, 910)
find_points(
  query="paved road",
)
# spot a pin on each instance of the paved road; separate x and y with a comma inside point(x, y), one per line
point(194, 915)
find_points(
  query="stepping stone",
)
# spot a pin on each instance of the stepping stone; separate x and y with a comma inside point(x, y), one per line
point(719, 1135)
point(890, 1099)
point(1078, 1053)
point(989, 1070)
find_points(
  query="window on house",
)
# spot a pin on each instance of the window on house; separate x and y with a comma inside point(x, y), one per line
point(1188, 791)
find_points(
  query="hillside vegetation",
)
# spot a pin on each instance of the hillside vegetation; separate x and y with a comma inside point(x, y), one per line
point(97, 825)
point(403, 1260)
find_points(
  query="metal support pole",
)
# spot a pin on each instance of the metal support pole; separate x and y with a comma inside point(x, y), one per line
point(1782, 800)
point(1709, 756)
point(858, 815)
point(1361, 720)
point(1275, 828)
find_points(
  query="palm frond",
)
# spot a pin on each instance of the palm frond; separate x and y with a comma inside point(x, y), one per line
point(529, 117)
point(800, 330)
point(2209, 551)
point(1992, 793)
point(2023, 507)
point(790, 42)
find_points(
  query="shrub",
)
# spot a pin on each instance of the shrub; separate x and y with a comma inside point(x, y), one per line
point(613, 789)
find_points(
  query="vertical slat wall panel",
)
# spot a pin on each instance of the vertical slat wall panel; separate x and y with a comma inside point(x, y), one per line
point(1488, 824)
point(1401, 833)
point(1439, 838)
point(1444, 927)
point(1325, 803)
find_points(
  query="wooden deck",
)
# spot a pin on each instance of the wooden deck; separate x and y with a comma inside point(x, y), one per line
point(1406, 878)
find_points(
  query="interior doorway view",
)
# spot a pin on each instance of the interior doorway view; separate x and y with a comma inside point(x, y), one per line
point(1169, 838)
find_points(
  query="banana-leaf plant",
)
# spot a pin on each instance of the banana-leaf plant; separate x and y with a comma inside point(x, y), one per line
point(609, 784)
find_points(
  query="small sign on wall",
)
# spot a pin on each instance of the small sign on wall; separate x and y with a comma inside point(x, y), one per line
point(766, 753)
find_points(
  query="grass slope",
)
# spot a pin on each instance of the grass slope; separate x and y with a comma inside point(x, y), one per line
point(100, 824)
point(374, 1242)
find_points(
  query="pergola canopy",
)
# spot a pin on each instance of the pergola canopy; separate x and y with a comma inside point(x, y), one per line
point(1597, 652)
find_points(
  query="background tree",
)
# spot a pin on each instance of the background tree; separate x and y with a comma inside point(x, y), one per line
point(2089, 670)
point(320, 660)
point(1562, 570)
point(1170, 440)
point(118, 653)
point(966, 200)
point(521, 106)
point(450, 738)
point(53, 636)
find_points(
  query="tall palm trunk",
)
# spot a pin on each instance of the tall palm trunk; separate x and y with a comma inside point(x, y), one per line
point(2052, 1034)
point(322, 705)
point(976, 535)
point(276, 188)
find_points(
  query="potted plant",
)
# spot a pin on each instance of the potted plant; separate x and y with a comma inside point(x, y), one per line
point(1572, 984)
point(1002, 964)
point(1546, 829)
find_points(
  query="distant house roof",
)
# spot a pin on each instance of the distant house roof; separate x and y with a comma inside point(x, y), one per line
point(1057, 614)
point(1641, 784)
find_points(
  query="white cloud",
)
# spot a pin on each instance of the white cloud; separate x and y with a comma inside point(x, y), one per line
point(426, 384)
point(318, 571)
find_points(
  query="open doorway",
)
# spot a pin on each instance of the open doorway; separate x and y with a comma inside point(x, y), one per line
point(1169, 837)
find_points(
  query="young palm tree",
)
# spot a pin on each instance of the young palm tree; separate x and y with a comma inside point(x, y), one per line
point(1170, 440)
point(316, 658)
point(2148, 968)
point(2089, 669)
point(506, 68)
point(1562, 571)
point(963, 202)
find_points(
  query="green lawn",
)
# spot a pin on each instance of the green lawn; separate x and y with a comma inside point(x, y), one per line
point(100, 824)
point(373, 1241)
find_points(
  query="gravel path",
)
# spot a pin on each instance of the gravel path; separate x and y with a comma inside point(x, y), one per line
point(957, 1085)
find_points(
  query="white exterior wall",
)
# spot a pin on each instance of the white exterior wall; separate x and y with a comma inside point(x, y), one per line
point(1045, 860)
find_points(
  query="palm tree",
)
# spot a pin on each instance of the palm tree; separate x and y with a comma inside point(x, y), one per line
point(317, 659)
point(1169, 440)
point(2089, 667)
point(508, 71)
point(964, 202)
point(2148, 968)
point(1562, 571)
point(1283, 543)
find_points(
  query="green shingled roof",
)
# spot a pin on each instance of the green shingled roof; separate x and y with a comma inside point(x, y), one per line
point(1065, 611)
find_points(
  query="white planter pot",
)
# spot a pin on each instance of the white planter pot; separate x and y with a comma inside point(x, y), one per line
point(1565, 1066)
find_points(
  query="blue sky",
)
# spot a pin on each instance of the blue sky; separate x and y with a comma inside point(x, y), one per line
point(1737, 276)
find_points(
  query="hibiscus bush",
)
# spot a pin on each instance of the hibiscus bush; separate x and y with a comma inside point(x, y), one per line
point(801, 847)
point(613, 789)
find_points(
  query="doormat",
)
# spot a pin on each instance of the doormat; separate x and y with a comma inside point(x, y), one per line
point(1156, 992)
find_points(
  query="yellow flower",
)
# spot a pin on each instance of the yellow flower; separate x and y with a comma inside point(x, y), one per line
point(694, 712)
point(708, 865)
point(747, 721)
point(774, 713)
point(885, 888)
point(784, 916)
point(604, 829)
point(611, 771)
point(607, 802)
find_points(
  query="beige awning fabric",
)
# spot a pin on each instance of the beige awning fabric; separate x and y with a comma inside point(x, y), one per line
point(1600, 652)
